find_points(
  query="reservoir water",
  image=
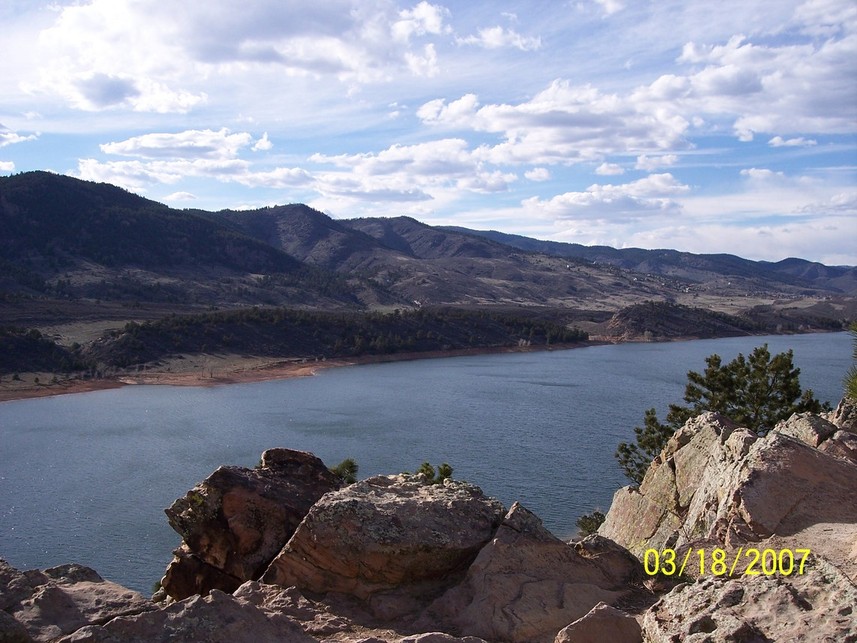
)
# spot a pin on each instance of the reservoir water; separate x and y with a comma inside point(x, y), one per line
point(85, 478)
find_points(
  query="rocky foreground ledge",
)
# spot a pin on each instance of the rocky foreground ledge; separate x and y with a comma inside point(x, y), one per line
point(287, 552)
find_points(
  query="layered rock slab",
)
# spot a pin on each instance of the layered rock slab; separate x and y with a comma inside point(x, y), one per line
point(526, 584)
point(237, 520)
point(388, 538)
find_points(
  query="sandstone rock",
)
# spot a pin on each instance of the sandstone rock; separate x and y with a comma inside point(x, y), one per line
point(807, 427)
point(388, 537)
point(719, 484)
point(845, 415)
point(187, 575)
point(816, 606)
point(215, 618)
point(652, 515)
point(602, 623)
point(526, 584)
point(11, 631)
point(60, 600)
point(237, 519)
point(842, 444)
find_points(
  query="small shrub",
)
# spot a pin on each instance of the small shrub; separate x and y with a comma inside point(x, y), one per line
point(444, 472)
point(346, 471)
point(589, 523)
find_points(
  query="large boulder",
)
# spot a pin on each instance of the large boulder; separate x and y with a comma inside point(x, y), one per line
point(53, 602)
point(237, 520)
point(388, 539)
point(526, 584)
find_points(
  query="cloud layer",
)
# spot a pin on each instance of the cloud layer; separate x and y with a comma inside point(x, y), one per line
point(596, 121)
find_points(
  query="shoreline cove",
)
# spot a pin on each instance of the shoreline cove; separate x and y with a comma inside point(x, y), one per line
point(237, 369)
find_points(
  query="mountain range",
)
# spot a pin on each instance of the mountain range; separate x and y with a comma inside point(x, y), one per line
point(70, 248)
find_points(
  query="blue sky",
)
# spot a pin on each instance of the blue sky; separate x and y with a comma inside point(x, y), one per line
point(707, 127)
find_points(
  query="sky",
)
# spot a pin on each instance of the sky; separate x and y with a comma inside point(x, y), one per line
point(700, 126)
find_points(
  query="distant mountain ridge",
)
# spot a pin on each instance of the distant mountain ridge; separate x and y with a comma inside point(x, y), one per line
point(67, 240)
point(686, 265)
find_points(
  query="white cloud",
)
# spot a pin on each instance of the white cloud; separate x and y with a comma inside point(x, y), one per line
point(425, 64)
point(203, 144)
point(800, 141)
point(653, 193)
point(652, 163)
point(763, 87)
point(457, 113)
point(7, 166)
point(564, 124)
point(538, 174)
point(8, 137)
point(180, 196)
point(498, 37)
point(263, 144)
point(609, 169)
point(424, 18)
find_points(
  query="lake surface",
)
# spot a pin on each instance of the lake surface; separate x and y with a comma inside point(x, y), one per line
point(85, 478)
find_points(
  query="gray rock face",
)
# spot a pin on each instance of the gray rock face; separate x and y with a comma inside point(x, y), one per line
point(526, 584)
point(237, 520)
point(54, 602)
point(388, 533)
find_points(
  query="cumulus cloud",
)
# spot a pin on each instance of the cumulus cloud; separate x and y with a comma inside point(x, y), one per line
point(150, 57)
point(424, 64)
point(564, 123)
point(653, 193)
point(763, 87)
point(263, 144)
point(8, 137)
point(424, 18)
point(652, 163)
point(7, 166)
point(499, 37)
point(609, 169)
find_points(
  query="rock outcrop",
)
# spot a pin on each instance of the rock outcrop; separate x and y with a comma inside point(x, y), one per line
point(237, 520)
point(716, 483)
point(387, 539)
point(57, 601)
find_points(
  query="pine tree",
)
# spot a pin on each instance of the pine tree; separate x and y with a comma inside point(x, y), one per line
point(755, 392)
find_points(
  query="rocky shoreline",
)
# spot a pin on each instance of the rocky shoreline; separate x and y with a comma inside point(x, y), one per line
point(287, 551)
